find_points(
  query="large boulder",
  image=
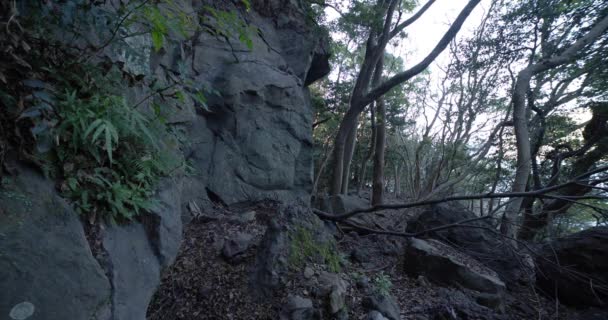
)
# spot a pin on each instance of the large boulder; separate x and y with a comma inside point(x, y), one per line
point(47, 262)
point(444, 265)
point(281, 247)
point(480, 242)
point(575, 268)
point(47, 270)
point(341, 203)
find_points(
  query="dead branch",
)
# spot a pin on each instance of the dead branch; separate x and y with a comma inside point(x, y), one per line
point(539, 193)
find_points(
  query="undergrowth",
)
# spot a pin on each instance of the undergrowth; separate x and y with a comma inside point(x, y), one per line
point(64, 108)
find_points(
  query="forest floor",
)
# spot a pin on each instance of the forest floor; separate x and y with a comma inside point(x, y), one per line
point(206, 282)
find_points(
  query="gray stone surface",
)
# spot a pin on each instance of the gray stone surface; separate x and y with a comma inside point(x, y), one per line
point(236, 245)
point(298, 308)
point(135, 270)
point(46, 265)
point(511, 266)
point(334, 288)
point(256, 141)
point(273, 253)
point(443, 265)
point(385, 305)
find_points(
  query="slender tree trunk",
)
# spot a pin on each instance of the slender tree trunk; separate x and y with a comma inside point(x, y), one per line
point(370, 153)
point(320, 170)
point(522, 138)
point(378, 180)
point(348, 123)
point(351, 143)
point(397, 180)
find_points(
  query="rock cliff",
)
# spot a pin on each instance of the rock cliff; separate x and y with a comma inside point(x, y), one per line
point(252, 142)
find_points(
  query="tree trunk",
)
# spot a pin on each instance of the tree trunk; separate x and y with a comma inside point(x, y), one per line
point(522, 138)
point(397, 180)
point(378, 180)
point(370, 153)
point(348, 123)
point(349, 150)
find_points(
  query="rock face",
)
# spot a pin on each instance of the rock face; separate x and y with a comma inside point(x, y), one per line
point(254, 141)
point(257, 141)
point(444, 265)
point(576, 268)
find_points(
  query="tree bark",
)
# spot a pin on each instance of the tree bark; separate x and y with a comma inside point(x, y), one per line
point(378, 180)
point(351, 143)
point(370, 153)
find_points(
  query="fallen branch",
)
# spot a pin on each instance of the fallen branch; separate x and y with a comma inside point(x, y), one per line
point(539, 193)
point(461, 223)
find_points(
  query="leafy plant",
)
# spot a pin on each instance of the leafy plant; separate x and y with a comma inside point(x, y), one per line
point(382, 283)
point(109, 151)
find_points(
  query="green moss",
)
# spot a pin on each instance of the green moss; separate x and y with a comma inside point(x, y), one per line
point(304, 247)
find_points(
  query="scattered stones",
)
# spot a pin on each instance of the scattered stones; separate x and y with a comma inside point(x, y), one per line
point(335, 289)
point(363, 283)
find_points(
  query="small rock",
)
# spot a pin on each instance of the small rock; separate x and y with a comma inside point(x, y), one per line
point(342, 315)
point(375, 315)
point(386, 305)
point(298, 308)
point(244, 218)
point(492, 301)
point(360, 255)
point(363, 283)
point(308, 272)
point(237, 245)
point(334, 288)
